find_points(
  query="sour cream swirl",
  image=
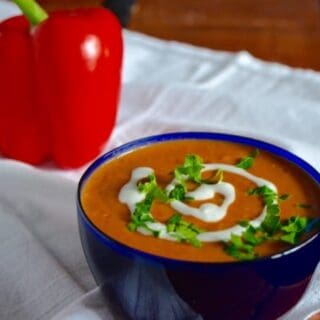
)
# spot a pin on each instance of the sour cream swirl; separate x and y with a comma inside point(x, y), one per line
point(208, 212)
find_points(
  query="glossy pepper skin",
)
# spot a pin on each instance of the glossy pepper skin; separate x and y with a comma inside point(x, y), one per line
point(59, 86)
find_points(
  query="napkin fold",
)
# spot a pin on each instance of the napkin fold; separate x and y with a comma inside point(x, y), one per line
point(167, 86)
point(42, 267)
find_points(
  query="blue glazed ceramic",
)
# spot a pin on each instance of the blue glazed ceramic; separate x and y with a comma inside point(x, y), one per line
point(145, 286)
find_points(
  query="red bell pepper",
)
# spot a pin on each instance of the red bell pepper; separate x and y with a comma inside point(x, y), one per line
point(59, 84)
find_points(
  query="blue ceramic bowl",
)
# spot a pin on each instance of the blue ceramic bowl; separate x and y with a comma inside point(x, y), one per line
point(145, 286)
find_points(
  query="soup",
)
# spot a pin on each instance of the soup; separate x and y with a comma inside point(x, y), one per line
point(202, 200)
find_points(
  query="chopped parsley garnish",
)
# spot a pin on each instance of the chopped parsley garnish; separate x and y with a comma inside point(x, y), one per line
point(178, 192)
point(253, 236)
point(240, 246)
point(148, 186)
point(270, 198)
point(293, 229)
point(290, 231)
point(268, 195)
point(191, 169)
point(247, 162)
point(272, 228)
point(183, 231)
point(237, 248)
point(141, 214)
point(272, 219)
point(284, 197)
point(152, 189)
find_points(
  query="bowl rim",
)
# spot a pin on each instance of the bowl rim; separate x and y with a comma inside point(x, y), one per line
point(190, 135)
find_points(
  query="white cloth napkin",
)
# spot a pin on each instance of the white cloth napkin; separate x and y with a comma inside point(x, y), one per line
point(167, 86)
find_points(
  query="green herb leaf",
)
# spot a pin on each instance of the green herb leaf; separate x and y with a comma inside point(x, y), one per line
point(148, 186)
point(180, 179)
point(268, 195)
point(290, 231)
point(291, 238)
point(272, 220)
point(253, 236)
point(178, 192)
point(273, 209)
point(293, 228)
point(132, 226)
point(160, 195)
point(191, 169)
point(237, 248)
point(244, 223)
point(242, 247)
point(247, 162)
point(152, 189)
point(295, 224)
point(141, 214)
point(183, 231)
point(283, 197)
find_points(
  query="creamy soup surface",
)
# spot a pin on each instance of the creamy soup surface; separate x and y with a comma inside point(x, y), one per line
point(100, 196)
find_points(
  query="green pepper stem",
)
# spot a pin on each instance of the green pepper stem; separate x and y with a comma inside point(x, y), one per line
point(32, 10)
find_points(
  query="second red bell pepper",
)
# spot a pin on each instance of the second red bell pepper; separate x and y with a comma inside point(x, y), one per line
point(59, 86)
